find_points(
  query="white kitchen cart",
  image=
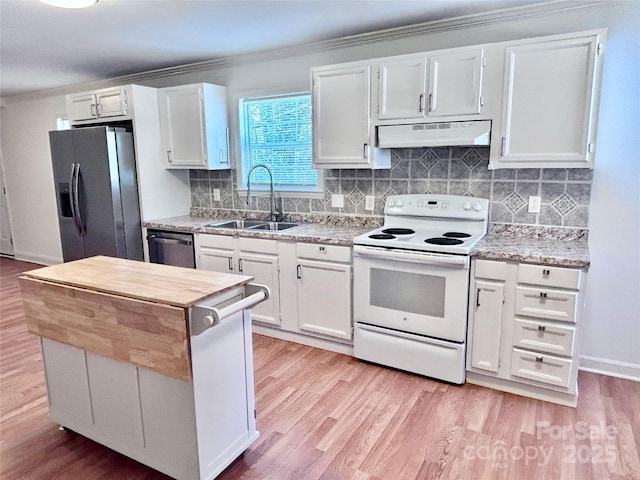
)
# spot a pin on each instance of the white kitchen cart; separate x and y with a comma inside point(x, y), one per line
point(187, 423)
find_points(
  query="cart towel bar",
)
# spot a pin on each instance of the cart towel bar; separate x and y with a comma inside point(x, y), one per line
point(205, 317)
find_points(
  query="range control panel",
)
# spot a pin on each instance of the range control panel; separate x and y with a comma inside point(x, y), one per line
point(432, 205)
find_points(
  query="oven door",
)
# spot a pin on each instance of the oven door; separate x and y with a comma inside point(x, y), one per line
point(415, 292)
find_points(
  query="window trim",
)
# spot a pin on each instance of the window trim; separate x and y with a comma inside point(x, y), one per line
point(241, 181)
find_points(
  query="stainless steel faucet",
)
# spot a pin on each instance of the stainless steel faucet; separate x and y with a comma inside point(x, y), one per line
point(273, 214)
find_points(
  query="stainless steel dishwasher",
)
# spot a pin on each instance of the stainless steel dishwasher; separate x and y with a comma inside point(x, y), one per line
point(171, 248)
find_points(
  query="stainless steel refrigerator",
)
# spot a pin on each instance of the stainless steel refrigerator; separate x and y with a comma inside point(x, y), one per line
point(97, 193)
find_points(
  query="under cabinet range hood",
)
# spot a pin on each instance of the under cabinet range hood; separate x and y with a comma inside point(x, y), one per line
point(449, 134)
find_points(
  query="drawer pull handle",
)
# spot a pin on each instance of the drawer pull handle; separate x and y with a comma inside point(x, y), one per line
point(543, 295)
point(321, 248)
point(538, 359)
point(541, 328)
point(546, 272)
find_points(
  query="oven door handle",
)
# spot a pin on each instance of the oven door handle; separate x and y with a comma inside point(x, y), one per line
point(423, 258)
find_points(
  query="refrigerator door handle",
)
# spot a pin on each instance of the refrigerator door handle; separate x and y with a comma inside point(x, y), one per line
point(76, 201)
point(74, 215)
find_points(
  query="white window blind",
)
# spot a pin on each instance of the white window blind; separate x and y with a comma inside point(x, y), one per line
point(276, 131)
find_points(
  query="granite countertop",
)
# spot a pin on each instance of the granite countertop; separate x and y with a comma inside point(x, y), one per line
point(555, 246)
point(543, 245)
point(329, 230)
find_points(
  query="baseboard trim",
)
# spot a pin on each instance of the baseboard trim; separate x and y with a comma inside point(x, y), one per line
point(33, 258)
point(611, 368)
point(304, 339)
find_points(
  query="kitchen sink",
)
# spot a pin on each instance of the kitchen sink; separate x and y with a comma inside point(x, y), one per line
point(241, 224)
point(237, 224)
point(275, 226)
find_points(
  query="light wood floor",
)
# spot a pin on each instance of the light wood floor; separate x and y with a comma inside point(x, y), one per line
point(328, 416)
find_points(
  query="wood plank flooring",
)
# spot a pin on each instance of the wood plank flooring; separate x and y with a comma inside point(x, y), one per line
point(328, 416)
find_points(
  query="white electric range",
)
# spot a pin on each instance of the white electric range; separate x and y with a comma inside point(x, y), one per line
point(411, 284)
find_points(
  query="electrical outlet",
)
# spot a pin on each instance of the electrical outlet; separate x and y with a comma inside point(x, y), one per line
point(216, 194)
point(369, 202)
point(337, 200)
point(534, 204)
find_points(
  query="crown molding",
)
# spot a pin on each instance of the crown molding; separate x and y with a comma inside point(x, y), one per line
point(551, 7)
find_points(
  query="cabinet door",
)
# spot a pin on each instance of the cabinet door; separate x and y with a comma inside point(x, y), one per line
point(550, 98)
point(341, 107)
point(181, 126)
point(115, 400)
point(324, 298)
point(65, 369)
point(487, 325)
point(216, 260)
point(112, 103)
point(264, 268)
point(455, 83)
point(82, 107)
point(402, 87)
point(216, 123)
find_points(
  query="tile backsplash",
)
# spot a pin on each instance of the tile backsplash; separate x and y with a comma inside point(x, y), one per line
point(565, 193)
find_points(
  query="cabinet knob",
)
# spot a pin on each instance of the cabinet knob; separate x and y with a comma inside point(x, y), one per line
point(321, 248)
point(546, 272)
point(541, 328)
point(539, 359)
point(543, 295)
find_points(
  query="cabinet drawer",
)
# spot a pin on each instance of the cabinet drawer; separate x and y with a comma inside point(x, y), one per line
point(216, 241)
point(543, 337)
point(549, 276)
point(541, 368)
point(546, 303)
point(258, 245)
point(491, 270)
point(332, 253)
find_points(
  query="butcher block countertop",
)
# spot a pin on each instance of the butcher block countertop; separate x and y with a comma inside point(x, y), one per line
point(126, 310)
point(180, 287)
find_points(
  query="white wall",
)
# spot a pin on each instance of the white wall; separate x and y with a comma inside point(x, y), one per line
point(29, 178)
point(611, 336)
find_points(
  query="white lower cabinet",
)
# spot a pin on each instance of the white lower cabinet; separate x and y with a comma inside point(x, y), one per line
point(524, 329)
point(310, 283)
point(487, 325)
point(324, 290)
point(259, 259)
point(246, 256)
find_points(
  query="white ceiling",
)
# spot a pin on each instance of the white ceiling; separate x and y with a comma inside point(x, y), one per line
point(43, 47)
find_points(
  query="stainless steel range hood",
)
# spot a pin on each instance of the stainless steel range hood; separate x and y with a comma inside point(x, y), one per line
point(450, 134)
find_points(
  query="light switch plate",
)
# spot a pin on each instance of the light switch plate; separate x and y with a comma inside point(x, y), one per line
point(369, 202)
point(534, 204)
point(337, 200)
point(216, 194)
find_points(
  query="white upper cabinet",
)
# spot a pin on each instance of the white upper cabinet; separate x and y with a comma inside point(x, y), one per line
point(423, 86)
point(342, 133)
point(105, 103)
point(402, 88)
point(551, 94)
point(455, 83)
point(194, 126)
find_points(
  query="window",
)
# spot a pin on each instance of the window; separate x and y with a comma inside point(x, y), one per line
point(62, 123)
point(276, 131)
